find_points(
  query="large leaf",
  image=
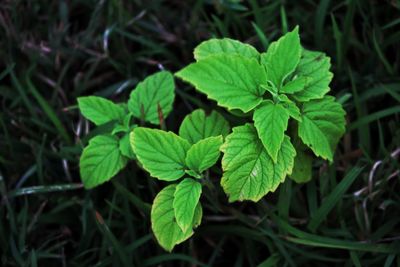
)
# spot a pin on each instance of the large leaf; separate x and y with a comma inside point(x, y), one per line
point(161, 153)
point(315, 66)
point(186, 198)
point(322, 125)
point(282, 57)
point(233, 81)
point(197, 126)
point(163, 221)
point(100, 160)
point(271, 121)
point(204, 153)
point(249, 172)
point(153, 95)
point(100, 110)
point(214, 47)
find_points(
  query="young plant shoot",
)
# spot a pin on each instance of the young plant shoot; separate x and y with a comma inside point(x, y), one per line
point(291, 121)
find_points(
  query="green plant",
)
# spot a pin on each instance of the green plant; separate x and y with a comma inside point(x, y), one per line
point(108, 153)
point(282, 90)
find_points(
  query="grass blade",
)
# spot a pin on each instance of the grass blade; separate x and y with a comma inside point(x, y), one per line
point(329, 203)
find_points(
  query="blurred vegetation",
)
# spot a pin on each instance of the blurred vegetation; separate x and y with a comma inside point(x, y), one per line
point(54, 51)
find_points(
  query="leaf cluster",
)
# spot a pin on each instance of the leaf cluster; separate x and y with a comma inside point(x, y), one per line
point(282, 90)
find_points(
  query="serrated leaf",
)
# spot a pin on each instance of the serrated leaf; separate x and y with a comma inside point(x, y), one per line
point(233, 81)
point(282, 57)
point(271, 121)
point(163, 221)
point(204, 153)
point(295, 85)
point(125, 147)
point(100, 110)
point(155, 92)
point(214, 47)
point(186, 198)
point(100, 160)
point(161, 153)
point(249, 172)
point(315, 66)
point(322, 125)
point(302, 170)
point(197, 126)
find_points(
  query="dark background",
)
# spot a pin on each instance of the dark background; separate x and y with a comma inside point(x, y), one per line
point(51, 52)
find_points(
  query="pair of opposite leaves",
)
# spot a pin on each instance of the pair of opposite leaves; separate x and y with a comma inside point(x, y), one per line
point(176, 210)
point(109, 152)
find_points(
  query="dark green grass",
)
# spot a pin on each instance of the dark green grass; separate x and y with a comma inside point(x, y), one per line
point(54, 51)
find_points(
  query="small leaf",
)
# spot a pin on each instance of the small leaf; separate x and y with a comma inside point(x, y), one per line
point(125, 147)
point(233, 81)
point(197, 126)
point(100, 160)
point(249, 172)
point(315, 66)
point(186, 198)
point(155, 91)
point(100, 110)
point(271, 121)
point(291, 107)
point(193, 174)
point(295, 85)
point(163, 221)
point(198, 215)
point(322, 126)
point(204, 154)
point(282, 57)
point(119, 128)
point(125, 126)
point(214, 47)
point(161, 153)
point(302, 170)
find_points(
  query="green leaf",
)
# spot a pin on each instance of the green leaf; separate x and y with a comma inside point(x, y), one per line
point(322, 125)
point(197, 126)
point(186, 198)
point(125, 147)
point(198, 215)
point(214, 47)
point(302, 170)
point(193, 174)
point(124, 126)
point(100, 160)
point(204, 153)
point(163, 221)
point(232, 80)
point(249, 172)
point(271, 121)
point(100, 110)
point(291, 107)
point(295, 85)
point(282, 57)
point(161, 153)
point(315, 66)
point(156, 92)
